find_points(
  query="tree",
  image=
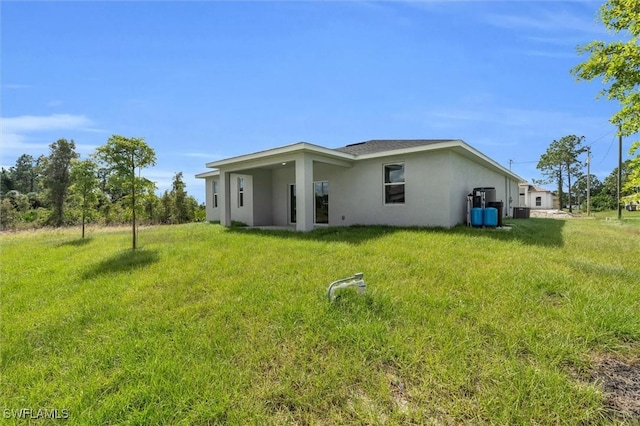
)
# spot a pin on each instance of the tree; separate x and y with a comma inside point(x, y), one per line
point(6, 181)
point(85, 184)
point(579, 188)
point(8, 214)
point(121, 157)
point(616, 63)
point(632, 184)
point(180, 212)
point(56, 168)
point(24, 174)
point(560, 161)
point(166, 203)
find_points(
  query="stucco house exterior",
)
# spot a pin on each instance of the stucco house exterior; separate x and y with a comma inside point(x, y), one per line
point(378, 182)
point(536, 197)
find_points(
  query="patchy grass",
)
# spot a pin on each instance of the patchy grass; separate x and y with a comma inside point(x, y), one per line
point(207, 325)
point(630, 218)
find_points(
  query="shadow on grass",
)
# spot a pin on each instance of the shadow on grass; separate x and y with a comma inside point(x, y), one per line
point(124, 261)
point(356, 234)
point(76, 243)
point(541, 232)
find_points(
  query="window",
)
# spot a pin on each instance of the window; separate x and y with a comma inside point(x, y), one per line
point(292, 203)
point(215, 194)
point(240, 191)
point(321, 192)
point(394, 183)
point(538, 201)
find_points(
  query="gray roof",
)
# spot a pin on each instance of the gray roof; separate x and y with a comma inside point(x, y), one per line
point(382, 145)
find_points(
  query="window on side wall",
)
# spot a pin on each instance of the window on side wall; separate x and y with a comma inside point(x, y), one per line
point(394, 183)
point(240, 191)
point(538, 201)
point(215, 194)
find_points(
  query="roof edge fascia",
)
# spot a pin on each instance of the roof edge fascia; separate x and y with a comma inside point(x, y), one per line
point(287, 149)
point(410, 150)
point(210, 173)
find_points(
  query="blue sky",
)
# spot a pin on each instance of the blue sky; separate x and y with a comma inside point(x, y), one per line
point(201, 81)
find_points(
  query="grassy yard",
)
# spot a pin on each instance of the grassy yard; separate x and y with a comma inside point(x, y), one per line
point(207, 325)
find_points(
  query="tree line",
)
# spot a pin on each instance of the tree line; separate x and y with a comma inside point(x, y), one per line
point(107, 188)
point(563, 164)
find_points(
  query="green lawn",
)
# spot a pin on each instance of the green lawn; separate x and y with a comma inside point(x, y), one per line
point(207, 325)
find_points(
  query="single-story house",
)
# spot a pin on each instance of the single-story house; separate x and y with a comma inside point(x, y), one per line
point(536, 197)
point(378, 182)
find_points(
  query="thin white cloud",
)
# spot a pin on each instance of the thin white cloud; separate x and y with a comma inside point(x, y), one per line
point(23, 134)
point(16, 86)
point(549, 54)
point(35, 123)
point(547, 20)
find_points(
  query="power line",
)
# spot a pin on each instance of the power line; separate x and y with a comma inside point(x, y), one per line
point(600, 138)
point(613, 138)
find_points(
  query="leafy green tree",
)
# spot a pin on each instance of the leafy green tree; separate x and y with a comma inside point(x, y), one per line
point(180, 209)
point(24, 174)
point(579, 188)
point(152, 207)
point(85, 185)
point(610, 183)
point(616, 63)
point(6, 181)
point(20, 201)
point(632, 184)
point(561, 162)
point(8, 214)
point(121, 156)
point(35, 200)
point(167, 207)
point(56, 170)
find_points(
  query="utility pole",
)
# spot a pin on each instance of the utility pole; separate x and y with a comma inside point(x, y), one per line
point(588, 181)
point(619, 170)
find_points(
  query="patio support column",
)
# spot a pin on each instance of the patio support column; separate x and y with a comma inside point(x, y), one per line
point(224, 201)
point(304, 193)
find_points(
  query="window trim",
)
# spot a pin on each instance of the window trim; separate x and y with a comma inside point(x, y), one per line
point(385, 184)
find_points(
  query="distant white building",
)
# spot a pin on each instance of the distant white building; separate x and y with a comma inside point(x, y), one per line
point(536, 197)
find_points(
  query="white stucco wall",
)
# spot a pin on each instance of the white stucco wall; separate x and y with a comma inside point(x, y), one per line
point(212, 213)
point(467, 174)
point(546, 200)
point(262, 197)
point(357, 193)
point(437, 183)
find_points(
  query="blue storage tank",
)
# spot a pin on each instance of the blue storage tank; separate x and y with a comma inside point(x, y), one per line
point(476, 216)
point(491, 217)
